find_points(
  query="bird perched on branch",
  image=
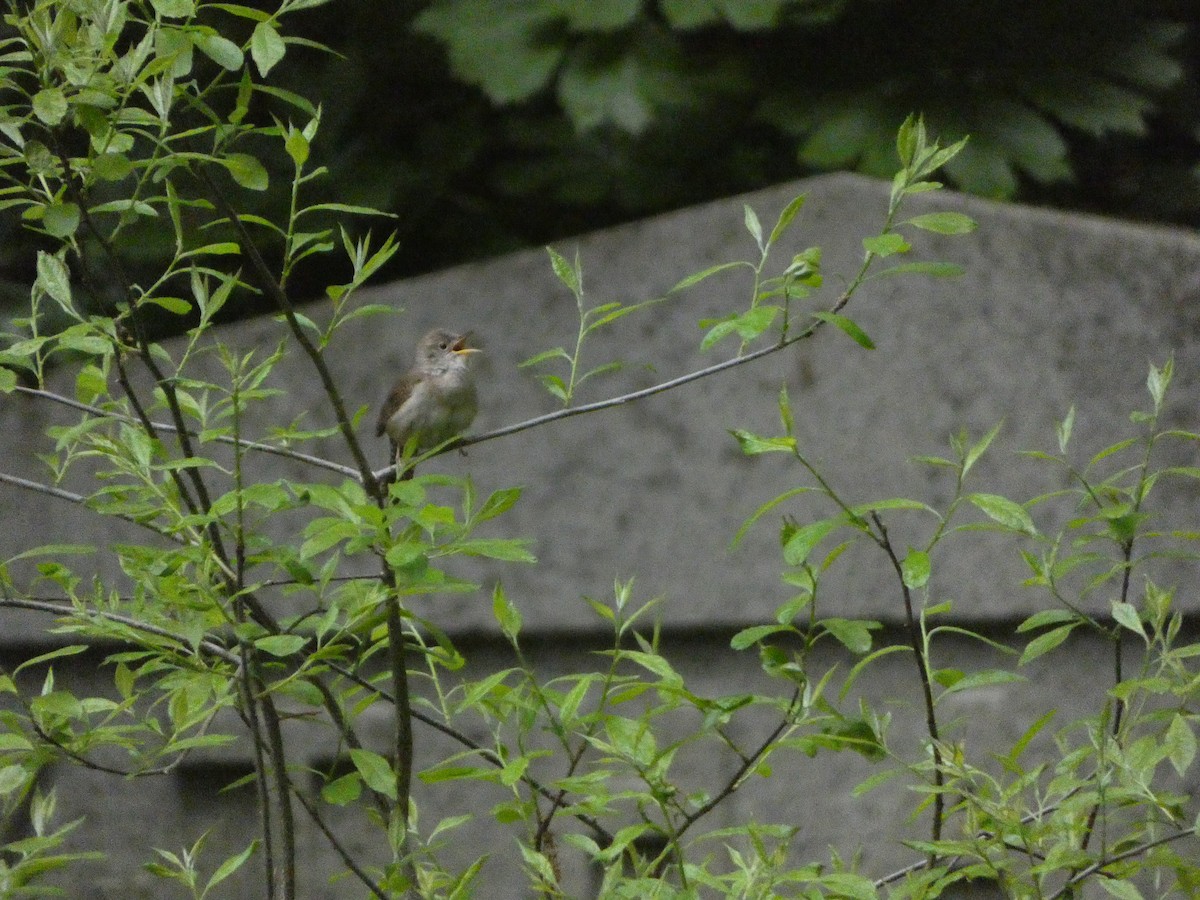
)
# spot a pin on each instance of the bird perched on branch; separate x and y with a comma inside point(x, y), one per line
point(433, 401)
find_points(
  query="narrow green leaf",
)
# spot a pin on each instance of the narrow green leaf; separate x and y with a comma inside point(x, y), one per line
point(1064, 430)
point(1180, 742)
point(748, 637)
point(1044, 643)
point(231, 865)
point(944, 223)
point(785, 218)
point(507, 615)
point(753, 444)
point(281, 644)
point(986, 678)
point(915, 569)
point(935, 269)
point(850, 327)
point(753, 225)
point(979, 448)
point(804, 540)
point(1004, 511)
point(565, 272)
point(697, 277)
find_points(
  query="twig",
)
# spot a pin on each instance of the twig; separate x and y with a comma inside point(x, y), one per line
point(939, 801)
point(81, 500)
point(60, 609)
point(1095, 867)
point(275, 291)
point(633, 396)
point(258, 447)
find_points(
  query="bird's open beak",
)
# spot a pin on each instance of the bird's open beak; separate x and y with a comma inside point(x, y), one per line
point(460, 345)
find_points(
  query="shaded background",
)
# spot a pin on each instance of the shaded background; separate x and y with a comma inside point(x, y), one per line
point(489, 125)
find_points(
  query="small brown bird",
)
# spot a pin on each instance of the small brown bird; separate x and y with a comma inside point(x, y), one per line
point(435, 400)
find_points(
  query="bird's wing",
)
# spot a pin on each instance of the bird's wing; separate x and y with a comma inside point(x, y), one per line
point(395, 399)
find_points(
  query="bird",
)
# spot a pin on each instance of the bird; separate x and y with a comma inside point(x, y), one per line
point(433, 401)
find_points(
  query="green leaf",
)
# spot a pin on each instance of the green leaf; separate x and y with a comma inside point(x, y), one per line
point(1064, 430)
point(804, 540)
point(753, 444)
point(943, 223)
point(507, 615)
point(8, 380)
point(498, 502)
point(848, 326)
point(1004, 511)
point(565, 272)
point(854, 634)
point(247, 171)
point(266, 47)
point(697, 277)
point(50, 105)
point(985, 678)
point(177, 305)
point(979, 448)
point(1123, 889)
point(224, 52)
point(1127, 616)
point(61, 219)
point(748, 637)
point(884, 245)
point(281, 644)
point(785, 218)
point(936, 269)
point(111, 166)
point(54, 279)
point(375, 771)
point(174, 9)
point(231, 865)
point(508, 550)
point(343, 791)
point(1180, 742)
point(502, 54)
point(915, 569)
point(750, 217)
point(747, 325)
point(1044, 643)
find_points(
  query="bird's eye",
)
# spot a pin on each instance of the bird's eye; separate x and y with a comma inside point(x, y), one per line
point(444, 345)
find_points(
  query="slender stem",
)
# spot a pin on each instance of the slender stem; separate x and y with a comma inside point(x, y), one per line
point(359, 873)
point(918, 646)
point(79, 499)
point(633, 396)
point(271, 285)
point(284, 875)
point(286, 453)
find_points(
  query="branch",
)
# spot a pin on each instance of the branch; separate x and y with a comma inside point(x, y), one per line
point(256, 446)
point(633, 396)
point(72, 497)
point(939, 801)
point(61, 609)
point(1126, 854)
point(275, 291)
